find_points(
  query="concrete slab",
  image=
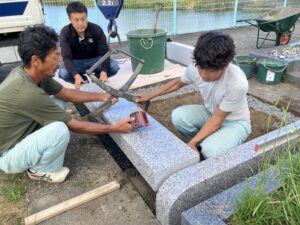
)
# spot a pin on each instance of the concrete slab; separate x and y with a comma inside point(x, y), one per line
point(186, 53)
point(283, 94)
point(91, 167)
point(154, 150)
point(200, 182)
point(220, 207)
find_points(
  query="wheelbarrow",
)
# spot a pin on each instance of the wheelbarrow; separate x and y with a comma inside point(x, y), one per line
point(281, 21)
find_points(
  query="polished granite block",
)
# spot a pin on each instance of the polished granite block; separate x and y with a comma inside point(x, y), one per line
point(154, 150)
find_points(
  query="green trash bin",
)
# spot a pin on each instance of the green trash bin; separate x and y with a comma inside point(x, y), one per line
point(246, 63)
point(144, 44)
point(270, 71)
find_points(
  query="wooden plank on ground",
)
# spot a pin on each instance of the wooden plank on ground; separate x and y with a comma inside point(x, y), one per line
point(71, 203)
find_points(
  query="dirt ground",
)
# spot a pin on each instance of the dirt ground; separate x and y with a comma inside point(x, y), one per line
point(161, 111)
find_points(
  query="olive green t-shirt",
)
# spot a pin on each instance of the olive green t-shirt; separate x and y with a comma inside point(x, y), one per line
point(25, 107)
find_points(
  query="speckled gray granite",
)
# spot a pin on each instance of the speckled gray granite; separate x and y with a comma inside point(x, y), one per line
point(153, 150)
point(199, 182)
point(220, 207)
point(200, 215)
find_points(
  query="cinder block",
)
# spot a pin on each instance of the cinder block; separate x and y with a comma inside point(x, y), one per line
point(179, 53)
point(153, 150)
point(199, 182)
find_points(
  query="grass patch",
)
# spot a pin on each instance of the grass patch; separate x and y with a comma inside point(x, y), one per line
point(12, 199)
point(14, 191)
point(282, 206)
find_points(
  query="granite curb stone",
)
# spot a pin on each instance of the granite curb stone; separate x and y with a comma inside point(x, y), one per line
point(154, 151)
point(221, 207)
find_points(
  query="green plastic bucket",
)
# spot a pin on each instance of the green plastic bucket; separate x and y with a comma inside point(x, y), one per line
point(144, 44)
point(246, 63)
point(270, 71)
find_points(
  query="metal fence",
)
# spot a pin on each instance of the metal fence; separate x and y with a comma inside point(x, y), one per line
point(177, 16)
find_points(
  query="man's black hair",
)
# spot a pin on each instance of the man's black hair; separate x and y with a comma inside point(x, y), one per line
point(213, 51)
point(76, 7)
point(38, 40)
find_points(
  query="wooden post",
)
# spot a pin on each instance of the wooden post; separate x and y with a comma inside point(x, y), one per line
point(71, 203)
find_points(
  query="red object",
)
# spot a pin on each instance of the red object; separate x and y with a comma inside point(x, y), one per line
point(285, 38)
point(256, 148)
point(140, 119)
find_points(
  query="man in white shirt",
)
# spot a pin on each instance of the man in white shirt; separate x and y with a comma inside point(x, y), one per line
point(223, 122)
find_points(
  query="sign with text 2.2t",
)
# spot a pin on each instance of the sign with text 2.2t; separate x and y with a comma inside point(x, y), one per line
point(110, 8)
point(108, 2)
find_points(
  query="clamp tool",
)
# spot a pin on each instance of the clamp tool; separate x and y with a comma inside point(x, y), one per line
point(122, 92)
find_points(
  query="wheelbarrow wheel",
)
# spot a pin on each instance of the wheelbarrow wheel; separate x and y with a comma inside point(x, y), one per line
point(285, 38)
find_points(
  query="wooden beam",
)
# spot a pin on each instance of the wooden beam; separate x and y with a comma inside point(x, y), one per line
point(71, 203)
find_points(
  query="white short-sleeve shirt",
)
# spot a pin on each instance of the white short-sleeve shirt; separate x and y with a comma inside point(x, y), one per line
point(228, 93)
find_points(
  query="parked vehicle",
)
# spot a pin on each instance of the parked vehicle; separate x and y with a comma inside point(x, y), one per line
point(16, 15)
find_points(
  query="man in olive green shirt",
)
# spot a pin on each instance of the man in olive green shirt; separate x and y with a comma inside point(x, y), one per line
point(34, 129)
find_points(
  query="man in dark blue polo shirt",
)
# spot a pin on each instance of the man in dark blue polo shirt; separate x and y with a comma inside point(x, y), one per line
point(82, 45)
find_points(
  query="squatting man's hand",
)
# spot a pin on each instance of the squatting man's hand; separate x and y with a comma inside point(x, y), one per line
point(144, 97)
point(193, 146)
point(103, 77)
point(124, 126)
point(78, 81)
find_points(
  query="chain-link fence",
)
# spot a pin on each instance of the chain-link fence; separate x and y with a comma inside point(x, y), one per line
point(176, 16)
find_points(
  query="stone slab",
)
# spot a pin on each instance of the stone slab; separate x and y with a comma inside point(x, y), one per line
point(200, 214)
point(186, 53)
point(220, 207)
point(154, 151)
point(199, 182)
